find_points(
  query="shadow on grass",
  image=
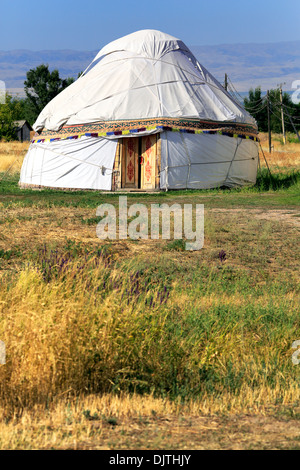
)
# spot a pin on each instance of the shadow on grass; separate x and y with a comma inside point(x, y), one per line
point(273, 181)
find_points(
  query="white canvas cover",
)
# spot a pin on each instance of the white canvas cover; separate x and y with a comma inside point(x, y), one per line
point(206, 161)
point(85, 163)
point(147, 76)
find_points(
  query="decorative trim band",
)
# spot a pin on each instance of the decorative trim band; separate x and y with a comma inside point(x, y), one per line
point(128, 128)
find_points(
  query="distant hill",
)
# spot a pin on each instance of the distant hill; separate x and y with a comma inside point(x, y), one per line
point(251, 65)
point(14, 64)
point(247, 65)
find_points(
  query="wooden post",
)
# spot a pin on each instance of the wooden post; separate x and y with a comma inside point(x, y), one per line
point(116, 176)
point(293, 124)
point(158, 162)
point(226, 82)
point(269, 123)
point(282, 117)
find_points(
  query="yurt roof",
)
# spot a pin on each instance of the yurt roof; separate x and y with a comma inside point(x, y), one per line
point(144, 75)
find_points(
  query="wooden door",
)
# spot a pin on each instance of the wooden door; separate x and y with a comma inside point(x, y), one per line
point(130, 158)
point(148, 161)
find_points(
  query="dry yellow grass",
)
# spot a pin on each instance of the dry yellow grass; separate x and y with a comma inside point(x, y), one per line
point(12, 155)
point(52, 335)
point(282, 156)
point(109, 422)
point(46, 328)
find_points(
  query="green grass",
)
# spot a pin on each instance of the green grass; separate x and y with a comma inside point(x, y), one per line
point(290, 138)
point(275, 190)
point(82, 315)
point(175, 330)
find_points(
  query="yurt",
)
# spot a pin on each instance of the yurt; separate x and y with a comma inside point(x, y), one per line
point(145, 115)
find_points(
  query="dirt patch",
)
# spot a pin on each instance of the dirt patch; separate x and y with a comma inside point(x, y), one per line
point(195, 433)
point(289, 217)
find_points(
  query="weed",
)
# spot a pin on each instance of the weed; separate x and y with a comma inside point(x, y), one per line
point(176, 245)
point(222, 256)
point(89, 417)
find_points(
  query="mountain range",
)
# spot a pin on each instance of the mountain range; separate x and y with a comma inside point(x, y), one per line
point(247, 65)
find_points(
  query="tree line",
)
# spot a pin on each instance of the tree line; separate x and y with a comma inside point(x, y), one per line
point(41, 86)
point(258, 106)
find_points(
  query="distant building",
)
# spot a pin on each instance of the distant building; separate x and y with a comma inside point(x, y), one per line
point(23, 129)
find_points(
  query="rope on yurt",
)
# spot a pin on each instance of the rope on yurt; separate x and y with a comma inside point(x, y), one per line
point(76, 159)
point(271, 176)
point(237, 146)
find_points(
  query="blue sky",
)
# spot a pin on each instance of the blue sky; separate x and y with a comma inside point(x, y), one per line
point(90, 24)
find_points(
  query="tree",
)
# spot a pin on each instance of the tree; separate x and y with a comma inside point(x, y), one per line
point(10, 111)
point(256, 105)
point(41, 87)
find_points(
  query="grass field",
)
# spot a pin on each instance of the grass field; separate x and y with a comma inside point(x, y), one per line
point(139, 344)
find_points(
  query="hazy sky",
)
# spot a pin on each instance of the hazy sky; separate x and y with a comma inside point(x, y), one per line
point(90, 24)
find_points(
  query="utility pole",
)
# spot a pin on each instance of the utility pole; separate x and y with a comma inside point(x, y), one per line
point(226, 82)
point(269, 123)
point(296, 132)
point(282, 115)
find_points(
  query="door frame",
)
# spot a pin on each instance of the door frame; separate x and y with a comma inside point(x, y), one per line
point(134, 161)
point(140, 157)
